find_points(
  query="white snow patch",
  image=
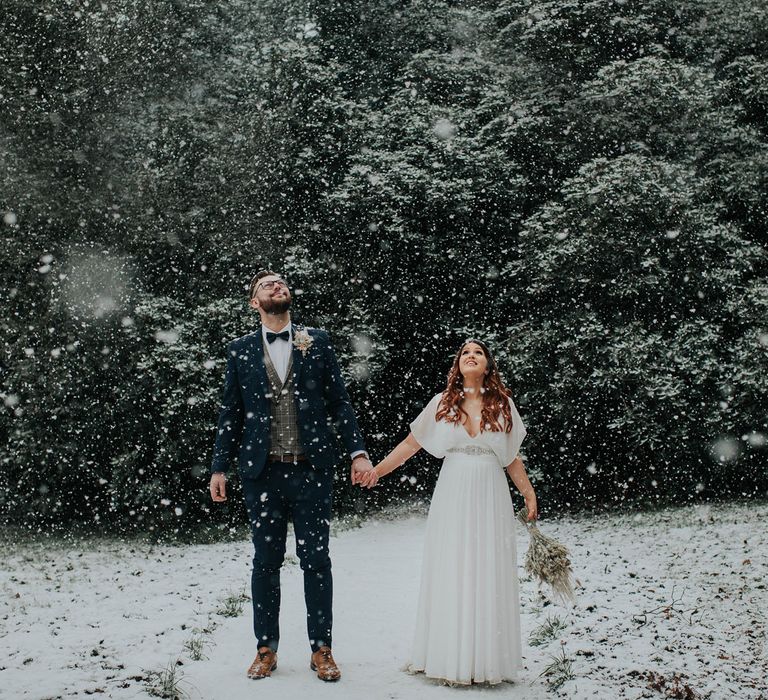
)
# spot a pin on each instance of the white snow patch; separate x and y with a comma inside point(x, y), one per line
point(677, 591)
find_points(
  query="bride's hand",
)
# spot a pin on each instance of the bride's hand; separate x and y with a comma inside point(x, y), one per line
point(370, 479)
point(531, 506)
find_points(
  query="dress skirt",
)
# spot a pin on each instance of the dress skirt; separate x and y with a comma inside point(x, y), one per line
point(468, 615)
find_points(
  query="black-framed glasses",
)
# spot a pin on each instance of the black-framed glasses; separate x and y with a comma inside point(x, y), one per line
point(271, 284)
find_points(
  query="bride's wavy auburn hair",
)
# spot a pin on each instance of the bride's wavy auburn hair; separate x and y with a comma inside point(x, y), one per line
point(496, 415)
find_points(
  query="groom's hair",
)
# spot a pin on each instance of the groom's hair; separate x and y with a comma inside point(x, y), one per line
point(255, 281)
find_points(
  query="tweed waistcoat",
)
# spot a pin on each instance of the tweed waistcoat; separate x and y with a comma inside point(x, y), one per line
point(284, 424)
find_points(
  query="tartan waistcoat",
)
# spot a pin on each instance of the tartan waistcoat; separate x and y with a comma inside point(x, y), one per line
point(284, 424)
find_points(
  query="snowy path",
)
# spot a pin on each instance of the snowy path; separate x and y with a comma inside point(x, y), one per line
point(376, 579)
point(94, 620)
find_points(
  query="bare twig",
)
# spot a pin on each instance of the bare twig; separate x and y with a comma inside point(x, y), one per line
point(668, 610)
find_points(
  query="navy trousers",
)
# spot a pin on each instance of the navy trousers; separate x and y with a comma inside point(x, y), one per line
point(303, 495)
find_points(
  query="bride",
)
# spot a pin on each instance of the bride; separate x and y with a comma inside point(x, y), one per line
point(468, 616)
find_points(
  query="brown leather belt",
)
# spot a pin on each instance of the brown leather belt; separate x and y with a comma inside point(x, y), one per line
point(287, 457)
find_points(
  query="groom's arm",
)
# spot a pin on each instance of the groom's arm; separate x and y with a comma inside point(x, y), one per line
point(230, 424)
point(338, 403)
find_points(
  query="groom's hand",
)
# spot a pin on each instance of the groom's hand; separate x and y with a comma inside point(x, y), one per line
point(360, 465)
point(218, 487)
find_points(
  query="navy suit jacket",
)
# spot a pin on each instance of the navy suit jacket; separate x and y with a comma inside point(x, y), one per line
point(322, 403)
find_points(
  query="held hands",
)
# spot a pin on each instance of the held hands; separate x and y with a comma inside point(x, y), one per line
point(218, 487)
point(361, 466)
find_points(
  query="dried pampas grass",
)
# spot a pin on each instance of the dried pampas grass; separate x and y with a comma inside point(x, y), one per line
point(548, 561)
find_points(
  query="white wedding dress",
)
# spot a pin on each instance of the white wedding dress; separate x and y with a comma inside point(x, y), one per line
point(468, 615)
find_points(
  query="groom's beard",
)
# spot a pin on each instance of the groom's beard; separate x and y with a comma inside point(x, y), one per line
point(277, 306)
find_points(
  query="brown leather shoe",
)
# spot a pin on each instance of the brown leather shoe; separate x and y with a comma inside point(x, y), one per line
point(263, 665)
point(322, 662)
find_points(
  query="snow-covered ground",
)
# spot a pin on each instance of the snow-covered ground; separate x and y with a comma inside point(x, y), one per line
point(682, 591)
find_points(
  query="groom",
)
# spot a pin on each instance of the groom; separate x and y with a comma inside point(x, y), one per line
point(282, 391)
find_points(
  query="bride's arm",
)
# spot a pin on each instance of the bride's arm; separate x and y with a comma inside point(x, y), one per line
point(516, 471)
point(399, 456)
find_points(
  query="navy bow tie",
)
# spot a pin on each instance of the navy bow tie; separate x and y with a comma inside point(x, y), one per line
point(271, 337)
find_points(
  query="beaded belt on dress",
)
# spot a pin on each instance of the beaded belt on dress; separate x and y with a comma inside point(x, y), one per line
point(472, 450)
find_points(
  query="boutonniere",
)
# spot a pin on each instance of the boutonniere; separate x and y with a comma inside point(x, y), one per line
point(303, 341)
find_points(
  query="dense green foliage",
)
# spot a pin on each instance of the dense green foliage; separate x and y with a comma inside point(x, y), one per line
point(583, 184)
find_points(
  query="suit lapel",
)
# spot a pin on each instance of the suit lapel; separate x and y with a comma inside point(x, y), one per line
point(298, 358)
point(258, 362)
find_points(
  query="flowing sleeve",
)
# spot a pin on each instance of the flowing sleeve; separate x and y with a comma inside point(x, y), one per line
point(426, 429)
point(515, 438)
